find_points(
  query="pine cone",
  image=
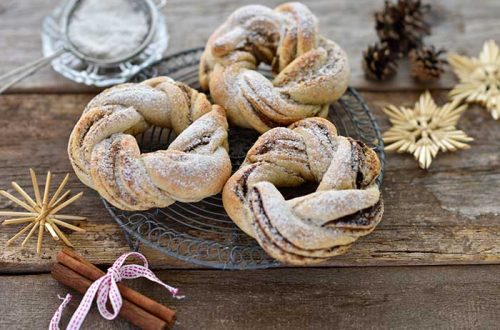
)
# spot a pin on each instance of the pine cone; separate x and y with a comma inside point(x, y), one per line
point(426, 64)
point(379, 62)
point(402, 25)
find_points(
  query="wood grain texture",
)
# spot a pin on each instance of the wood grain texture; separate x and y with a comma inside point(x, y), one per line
point(447, 297)
point(458, 25)
point(447, 215)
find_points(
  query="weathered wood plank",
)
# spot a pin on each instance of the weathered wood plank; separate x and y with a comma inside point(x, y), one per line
point(448, 297)
point(447, 215)
point(458, 25)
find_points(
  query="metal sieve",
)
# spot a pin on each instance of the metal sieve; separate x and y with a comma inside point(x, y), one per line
point(149, 7)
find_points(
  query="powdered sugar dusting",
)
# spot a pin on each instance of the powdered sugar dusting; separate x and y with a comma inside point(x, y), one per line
point(304, 227)
point(314, 70)
point(195, 166)
point(107, 29)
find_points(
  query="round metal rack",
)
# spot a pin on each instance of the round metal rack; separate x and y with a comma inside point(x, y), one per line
point(202, 233)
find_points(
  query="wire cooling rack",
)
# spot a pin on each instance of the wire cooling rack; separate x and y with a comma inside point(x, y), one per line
point(202, 233)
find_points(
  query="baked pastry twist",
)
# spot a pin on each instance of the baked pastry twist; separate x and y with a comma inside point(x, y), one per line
point(312, 228)
point(312, 71)
point(106, 157)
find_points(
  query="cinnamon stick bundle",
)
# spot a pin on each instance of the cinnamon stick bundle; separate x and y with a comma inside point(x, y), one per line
point(76, 272)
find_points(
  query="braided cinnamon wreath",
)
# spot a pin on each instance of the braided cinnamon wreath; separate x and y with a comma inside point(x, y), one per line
point(315, 227)
point(311, 70)
point(107, 158)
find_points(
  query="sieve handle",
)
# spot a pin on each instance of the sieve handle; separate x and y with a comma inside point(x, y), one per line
point(27, 70)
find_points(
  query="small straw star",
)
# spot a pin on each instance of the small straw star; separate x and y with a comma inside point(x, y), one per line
point(426, 129)
point(42, 212)
point(479, 78)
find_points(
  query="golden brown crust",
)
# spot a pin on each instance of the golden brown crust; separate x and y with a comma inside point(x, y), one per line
point(312, 71)
point(106, 157)
point(311, 228)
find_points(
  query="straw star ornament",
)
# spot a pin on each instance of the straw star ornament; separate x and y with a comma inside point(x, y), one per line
point(426, 129)
point(42, 212)
point(479, 78)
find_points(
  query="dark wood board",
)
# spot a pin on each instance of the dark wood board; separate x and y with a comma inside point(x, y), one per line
point(443, 297)
point(447, 215)
point(458, 25)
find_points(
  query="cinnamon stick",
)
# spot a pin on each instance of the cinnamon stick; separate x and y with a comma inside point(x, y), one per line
point(79, 264)
point(129, 311)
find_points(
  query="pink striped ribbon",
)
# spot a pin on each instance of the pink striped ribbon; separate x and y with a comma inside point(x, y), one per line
point(106, 289)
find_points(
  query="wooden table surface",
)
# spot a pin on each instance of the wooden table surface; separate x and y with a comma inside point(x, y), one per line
point(433, 262)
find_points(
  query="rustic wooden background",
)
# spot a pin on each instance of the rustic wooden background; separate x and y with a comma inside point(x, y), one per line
point(434, 258)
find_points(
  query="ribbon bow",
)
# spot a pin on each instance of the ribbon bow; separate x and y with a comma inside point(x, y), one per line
point(107, 290)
